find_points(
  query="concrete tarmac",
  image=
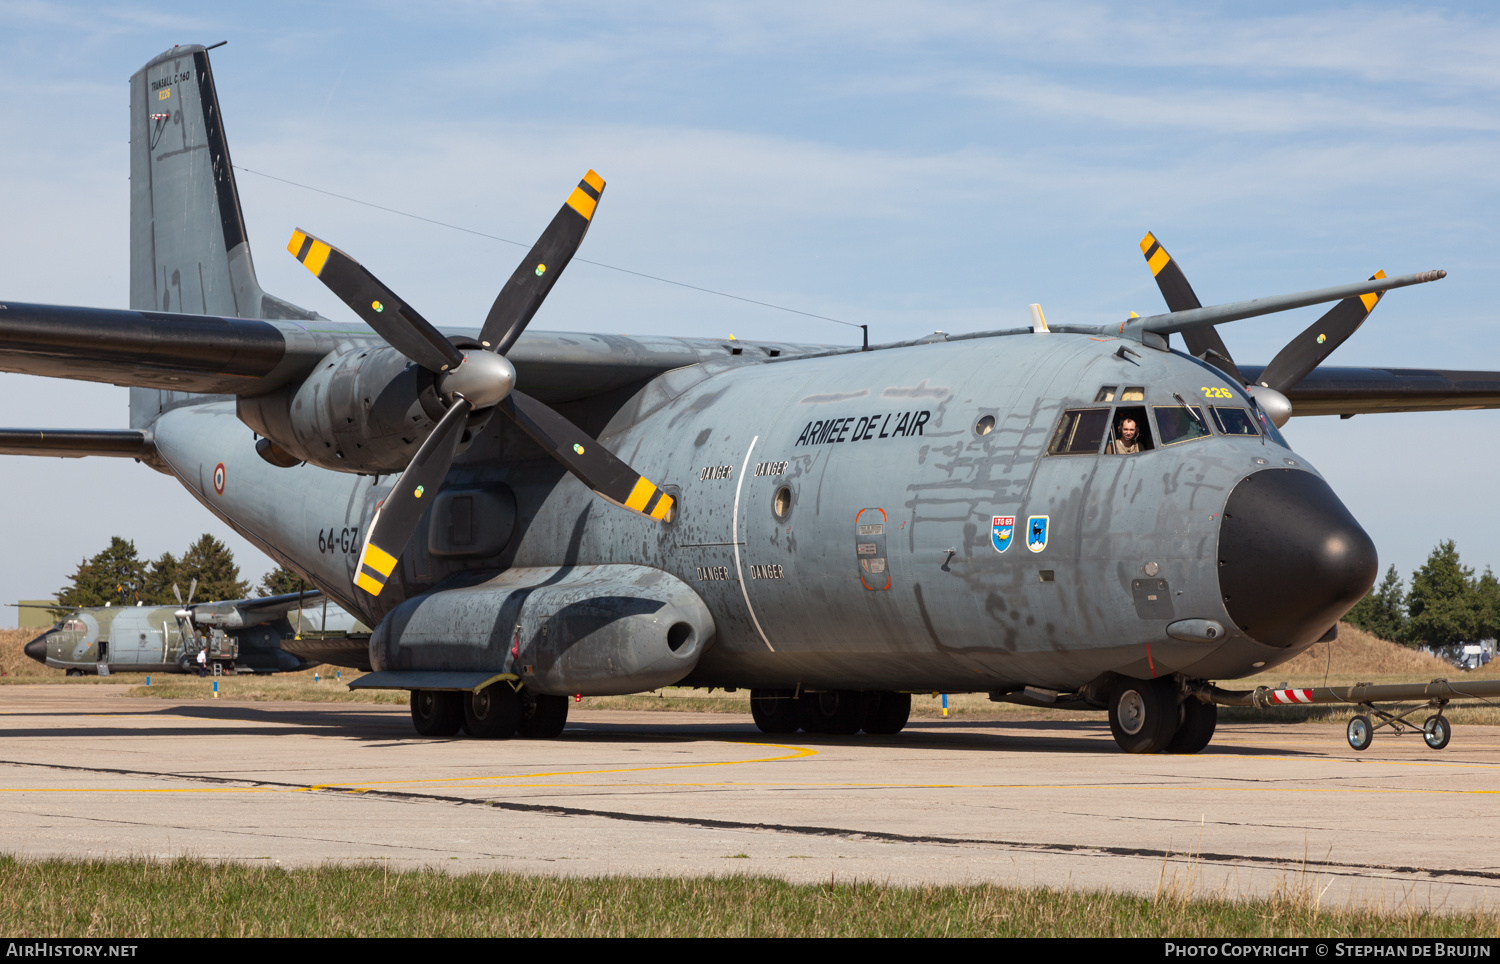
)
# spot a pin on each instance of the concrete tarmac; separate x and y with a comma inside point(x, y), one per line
point(88, 772)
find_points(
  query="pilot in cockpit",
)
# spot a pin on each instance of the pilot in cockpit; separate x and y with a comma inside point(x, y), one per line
point(1127, 440)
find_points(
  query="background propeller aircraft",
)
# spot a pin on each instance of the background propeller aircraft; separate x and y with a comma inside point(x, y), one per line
point(241, 635)
point(527, 515)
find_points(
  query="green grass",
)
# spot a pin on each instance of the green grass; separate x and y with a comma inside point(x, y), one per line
point(186, 898)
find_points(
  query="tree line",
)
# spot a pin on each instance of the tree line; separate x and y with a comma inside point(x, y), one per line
point(1446, 605)
point(118, 576)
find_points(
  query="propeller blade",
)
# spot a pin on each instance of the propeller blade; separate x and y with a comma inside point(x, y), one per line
point(593, 464)
point(1203, 343)
point(178, 593)
point(1316, 342)
point(398, 515)
point(192, 590)
point(523, 294)
point(377, 306)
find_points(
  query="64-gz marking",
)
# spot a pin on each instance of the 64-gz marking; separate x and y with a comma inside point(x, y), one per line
point(339, 540)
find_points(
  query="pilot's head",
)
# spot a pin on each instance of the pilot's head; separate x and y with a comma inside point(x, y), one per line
point(1128, 430)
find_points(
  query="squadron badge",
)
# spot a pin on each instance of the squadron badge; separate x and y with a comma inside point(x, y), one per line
point(1036, 533)
point(1002, 531)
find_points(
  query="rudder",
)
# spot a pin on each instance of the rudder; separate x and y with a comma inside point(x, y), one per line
point(188, 248)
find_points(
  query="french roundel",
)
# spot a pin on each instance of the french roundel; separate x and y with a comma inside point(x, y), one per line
point(219, 478)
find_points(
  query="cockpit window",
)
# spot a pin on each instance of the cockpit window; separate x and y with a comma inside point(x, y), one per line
point(1080, 431)
point(1269, 429)
point(1133, 393)
point(1180, 423)
point(1129, 432)
point(1106, 394)
point(1235, 421)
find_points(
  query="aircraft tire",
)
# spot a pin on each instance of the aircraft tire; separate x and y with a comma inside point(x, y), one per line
point(436, 712)
point(1197, 727)
point(887, 713)
point(493, 713)
point(75, 672)
point(775, 711)
point(542, 717)
point(838, 712)
point(1143, 714)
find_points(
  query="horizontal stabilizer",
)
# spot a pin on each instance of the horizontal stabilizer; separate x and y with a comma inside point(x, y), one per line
point(75, 443)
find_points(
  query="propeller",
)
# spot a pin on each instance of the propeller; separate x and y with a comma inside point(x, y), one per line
point(185, 613)
point(476, 380)
point(1295, 360)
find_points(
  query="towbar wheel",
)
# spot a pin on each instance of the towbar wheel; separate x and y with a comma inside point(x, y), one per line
point(1437, 732)
point(1361, 732)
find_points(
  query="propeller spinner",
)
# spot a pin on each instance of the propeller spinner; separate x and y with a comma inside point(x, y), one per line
point(476, 380)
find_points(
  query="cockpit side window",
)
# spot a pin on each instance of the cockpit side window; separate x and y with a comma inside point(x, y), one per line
point(1129, 432)
point(1180, 423)
point(1106, 394)
point(1235, 421)
point(1079, 432)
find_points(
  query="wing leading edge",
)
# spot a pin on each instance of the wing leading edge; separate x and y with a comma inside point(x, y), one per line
point(1361, 391)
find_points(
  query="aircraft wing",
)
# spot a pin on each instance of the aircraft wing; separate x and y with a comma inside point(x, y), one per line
point(238, 613)
point(247, 356)
point(1359, 391)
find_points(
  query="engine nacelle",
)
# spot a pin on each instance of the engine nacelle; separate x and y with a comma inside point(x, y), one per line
point(593, 630)
point(361, 410)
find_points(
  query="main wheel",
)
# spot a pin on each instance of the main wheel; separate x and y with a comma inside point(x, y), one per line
point(1437, 732)
point(1361, 732)
point(493, 713)
point(887, 713)
point(1198, 720)
point(542, 717)
point(436, 712)
point(1143, 714)
point(839, 712)
point(775, 711)
point(75, 671)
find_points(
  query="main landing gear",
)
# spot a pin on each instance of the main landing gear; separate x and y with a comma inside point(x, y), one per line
point(840, 712)
point(1154, 716)
point(496, 712)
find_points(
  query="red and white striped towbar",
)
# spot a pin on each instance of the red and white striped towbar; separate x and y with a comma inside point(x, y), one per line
point(1359, 693)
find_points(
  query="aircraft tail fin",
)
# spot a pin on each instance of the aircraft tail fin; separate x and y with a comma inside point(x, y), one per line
point(189, 251)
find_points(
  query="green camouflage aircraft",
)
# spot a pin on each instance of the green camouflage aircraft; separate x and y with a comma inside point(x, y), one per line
point(273, 634)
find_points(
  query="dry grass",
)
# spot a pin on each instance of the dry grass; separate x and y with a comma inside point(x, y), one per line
point(186, 898)
point(15, 663)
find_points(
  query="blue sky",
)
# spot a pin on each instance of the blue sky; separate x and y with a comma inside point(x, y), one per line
point(909, 166)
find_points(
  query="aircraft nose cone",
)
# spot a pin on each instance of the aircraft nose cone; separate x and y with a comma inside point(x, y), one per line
point(1292, 560)
point(37, 648)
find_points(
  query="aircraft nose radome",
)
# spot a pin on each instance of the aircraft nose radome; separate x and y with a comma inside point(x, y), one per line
point(1292, 560)
point(37, 648)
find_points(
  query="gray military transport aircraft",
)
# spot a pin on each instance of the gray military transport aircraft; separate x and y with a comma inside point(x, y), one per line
point(1065, 515)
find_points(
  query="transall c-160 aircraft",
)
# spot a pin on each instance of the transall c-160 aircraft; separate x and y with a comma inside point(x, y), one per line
point(1059, 515)
point(272, 634)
